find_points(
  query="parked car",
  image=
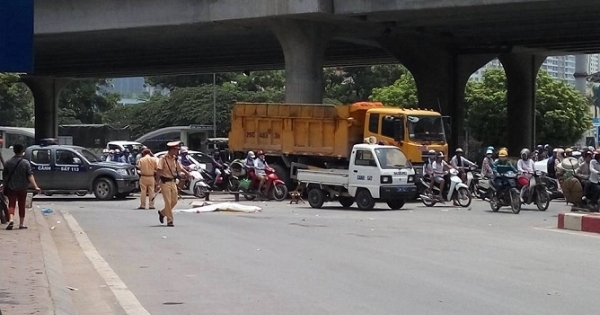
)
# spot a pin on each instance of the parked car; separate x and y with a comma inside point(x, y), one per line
point(122, 145)
point(66, 169)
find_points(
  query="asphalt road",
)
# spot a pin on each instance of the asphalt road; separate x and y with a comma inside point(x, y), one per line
point(292, 259)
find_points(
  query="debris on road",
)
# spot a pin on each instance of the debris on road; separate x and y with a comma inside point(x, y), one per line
point(72, 288)
point(47, 211)
point(224, 206)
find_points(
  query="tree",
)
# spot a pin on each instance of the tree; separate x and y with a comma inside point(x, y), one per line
point(16, 102)
point(402, 93)
point(562, 113)
point(85, 101)
point(187, 106)
point(352, 84)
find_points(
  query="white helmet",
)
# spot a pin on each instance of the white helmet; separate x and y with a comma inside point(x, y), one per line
point(251, 154)
point(525, 151)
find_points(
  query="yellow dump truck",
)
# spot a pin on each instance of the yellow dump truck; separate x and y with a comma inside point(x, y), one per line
point(304, 135)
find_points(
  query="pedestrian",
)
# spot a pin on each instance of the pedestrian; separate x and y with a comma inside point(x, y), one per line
point(147, 166)
point(168, 171)
point(18, 175)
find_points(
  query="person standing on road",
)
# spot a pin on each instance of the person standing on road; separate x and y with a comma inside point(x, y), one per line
point(17, 176)
point(147, 165)
point(168, 170)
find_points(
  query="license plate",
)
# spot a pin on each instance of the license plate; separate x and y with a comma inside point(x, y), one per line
point(402, 189)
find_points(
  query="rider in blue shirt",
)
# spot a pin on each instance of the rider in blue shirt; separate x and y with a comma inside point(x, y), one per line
point(501, 166)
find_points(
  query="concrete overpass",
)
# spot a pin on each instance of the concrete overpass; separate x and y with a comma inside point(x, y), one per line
point(440, 41)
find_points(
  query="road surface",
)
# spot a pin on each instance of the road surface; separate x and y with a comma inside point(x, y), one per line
point(291, 259)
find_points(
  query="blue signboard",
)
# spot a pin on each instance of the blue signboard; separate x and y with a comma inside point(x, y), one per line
point(16, 36)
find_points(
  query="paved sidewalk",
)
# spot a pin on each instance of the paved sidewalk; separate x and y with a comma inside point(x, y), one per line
point(24, 285)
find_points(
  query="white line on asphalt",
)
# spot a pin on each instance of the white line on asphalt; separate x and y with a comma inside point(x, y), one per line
point(126, 298)
point(578, 233)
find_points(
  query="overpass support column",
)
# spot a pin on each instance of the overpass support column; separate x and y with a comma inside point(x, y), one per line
point(441, 77)
point(303, 44)
point(45, 96)
point(521, 73)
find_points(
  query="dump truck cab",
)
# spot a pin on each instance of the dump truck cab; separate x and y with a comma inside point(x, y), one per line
point(414, 131)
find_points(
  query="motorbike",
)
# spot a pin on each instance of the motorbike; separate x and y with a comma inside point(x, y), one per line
point(535, 192)
point(196, 186)
point(454, 189)
point(507, 194)
point(224, 181)
point(552, 185)
point(273, 187)
point(482, 186)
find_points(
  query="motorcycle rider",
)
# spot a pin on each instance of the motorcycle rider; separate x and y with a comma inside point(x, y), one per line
point(104, 156)
point(587, 173)
point(427, 170)
point(439, 169)
point(260, 165)
point(184, 157)
point(525, 166)
point(500, 166)
point(551, 166)
point(568, 152)
point(459, 162)
point(249, 162)
point(486, 165)
point(217, 164)
point(128, 157)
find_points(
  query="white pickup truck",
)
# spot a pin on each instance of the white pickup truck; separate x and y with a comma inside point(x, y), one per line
point(377, 173)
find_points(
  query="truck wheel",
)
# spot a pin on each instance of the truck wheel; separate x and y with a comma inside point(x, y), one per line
point(316, 198)
point(396, 204)
point(364, 200)
point(104, 188)
point(346, 202)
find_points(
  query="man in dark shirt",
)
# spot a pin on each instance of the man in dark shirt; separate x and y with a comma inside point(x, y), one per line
point(17, 175)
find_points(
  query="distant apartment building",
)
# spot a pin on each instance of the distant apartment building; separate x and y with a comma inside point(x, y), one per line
point(560, 67)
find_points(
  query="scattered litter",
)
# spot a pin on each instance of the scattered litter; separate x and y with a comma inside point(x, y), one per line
point(52, 228)
point(371, 219)
point(489, 225)
point(164, 236)
point(372, 229)
point(143, 267)
point(469, 209)
point(47, 211)
point(552, 293)
point(72, 288)
point(224, 206)
point(57, 222)
point(258, 249)
point(316, 215)
point(445, 210)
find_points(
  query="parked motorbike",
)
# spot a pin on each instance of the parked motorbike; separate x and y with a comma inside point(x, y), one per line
point(507, 194)
point(273, 187)
point(535, 192)
point(196, 186)
point(454, 189)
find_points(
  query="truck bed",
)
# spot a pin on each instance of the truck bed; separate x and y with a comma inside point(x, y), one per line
point(334, 177)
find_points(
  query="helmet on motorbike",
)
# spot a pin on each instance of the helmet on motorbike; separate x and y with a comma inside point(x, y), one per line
point(489, 152)
point(490, 148)
point(260, 152)
point(459, 150)
point(540, 148)
point(183, 150)
point(251, 154)
point(525, 153)
point(503, 153)
point(431, 152)
point(440, 154)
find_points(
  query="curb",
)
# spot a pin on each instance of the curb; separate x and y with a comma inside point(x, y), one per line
point(579, 222)
point(63, 304)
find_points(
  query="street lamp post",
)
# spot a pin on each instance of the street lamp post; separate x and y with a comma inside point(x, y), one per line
point(214, 105)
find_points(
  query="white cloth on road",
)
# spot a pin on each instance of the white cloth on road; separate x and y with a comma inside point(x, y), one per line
point(224, 206)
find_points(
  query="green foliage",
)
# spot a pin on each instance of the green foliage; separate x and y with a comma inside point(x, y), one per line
point(402, 93)
point(16, 102)
point(562, 113)
point(353, 84)
point(186, 106)
point(84, 101)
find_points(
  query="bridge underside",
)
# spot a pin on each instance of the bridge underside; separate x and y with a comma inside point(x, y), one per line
point(546, 27)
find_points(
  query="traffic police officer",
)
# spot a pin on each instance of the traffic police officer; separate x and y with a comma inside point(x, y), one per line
point(167, 172)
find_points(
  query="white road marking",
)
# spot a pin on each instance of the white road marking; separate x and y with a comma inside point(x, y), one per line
point(578, 233)
point(124, 296)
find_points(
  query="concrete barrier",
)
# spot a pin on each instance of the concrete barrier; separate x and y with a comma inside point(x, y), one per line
point(579, 222)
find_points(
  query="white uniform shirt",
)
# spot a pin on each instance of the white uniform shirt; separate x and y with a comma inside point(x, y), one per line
point(465, 163)
point(438, 168)
point(594, 170)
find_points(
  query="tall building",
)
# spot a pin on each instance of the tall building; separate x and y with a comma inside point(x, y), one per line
point(560, 67)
